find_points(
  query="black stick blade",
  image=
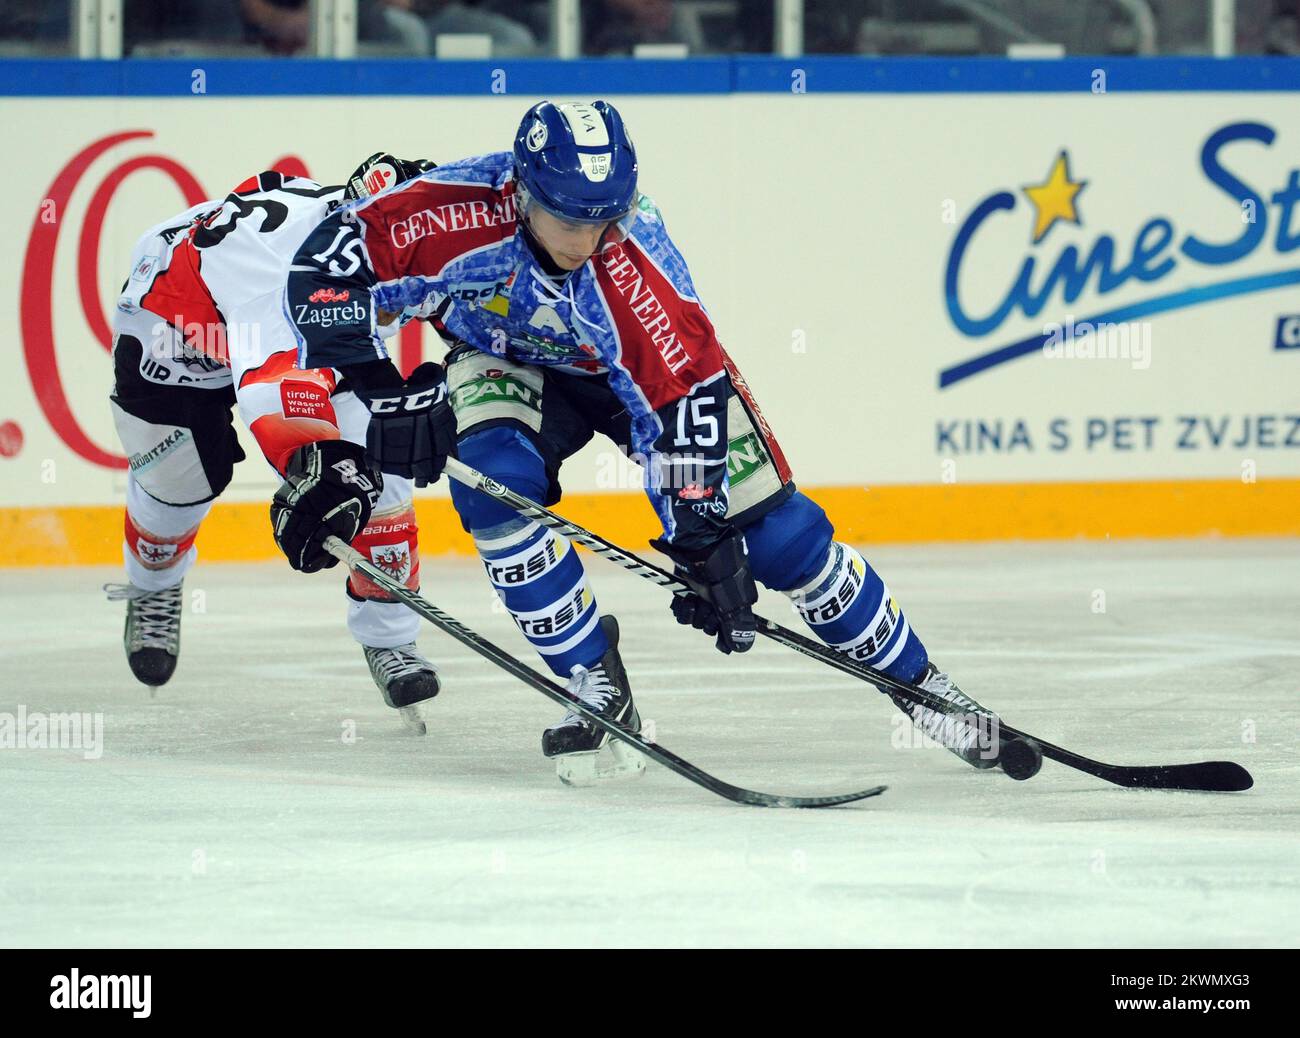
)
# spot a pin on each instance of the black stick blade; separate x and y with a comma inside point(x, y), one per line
point(834, 800)
point(1212, 776)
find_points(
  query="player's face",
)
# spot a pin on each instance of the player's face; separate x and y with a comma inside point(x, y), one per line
point(569, 244)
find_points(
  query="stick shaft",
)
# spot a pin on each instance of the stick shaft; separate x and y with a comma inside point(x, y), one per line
point(1211, 775)
point(475, 641)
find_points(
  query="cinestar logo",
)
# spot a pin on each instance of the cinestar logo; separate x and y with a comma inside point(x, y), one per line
point(694, 492)
point(1171, 262)
point(73, 991)
point(454, 216)
point(328, 316)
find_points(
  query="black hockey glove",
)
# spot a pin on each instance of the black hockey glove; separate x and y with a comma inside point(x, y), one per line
point(382, 171)
point(412, 428)
point(327, 490)
point(723, 569)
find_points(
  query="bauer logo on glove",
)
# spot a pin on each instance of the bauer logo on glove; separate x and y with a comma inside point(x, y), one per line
point(327, 490)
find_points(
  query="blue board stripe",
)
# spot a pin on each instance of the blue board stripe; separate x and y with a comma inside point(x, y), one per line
point(1002, 75)
point(528, 78)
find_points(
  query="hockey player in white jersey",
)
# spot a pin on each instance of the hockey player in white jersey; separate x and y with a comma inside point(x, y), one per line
point(199, 327)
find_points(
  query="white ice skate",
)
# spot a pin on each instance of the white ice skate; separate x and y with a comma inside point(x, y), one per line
point(966, 729)
point(585, 754)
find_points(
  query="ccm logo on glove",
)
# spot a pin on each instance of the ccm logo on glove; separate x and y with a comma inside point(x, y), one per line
point(721, 571)
point(412, 427)
point(420, 401)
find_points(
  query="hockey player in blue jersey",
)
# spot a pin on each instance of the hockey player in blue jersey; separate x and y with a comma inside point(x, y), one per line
point(571, 312)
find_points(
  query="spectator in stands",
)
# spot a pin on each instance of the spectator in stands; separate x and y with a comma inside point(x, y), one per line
point(755, 28)
point(146, 22)
point(1283, 36)
point(281, 26)
point(510, 39)
point(616, 26)
point(39, 22)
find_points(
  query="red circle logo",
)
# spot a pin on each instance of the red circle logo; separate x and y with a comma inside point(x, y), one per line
point(36, 298)
point(11, 439)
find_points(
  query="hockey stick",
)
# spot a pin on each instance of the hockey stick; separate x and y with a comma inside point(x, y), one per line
point(450, 625)
point(1206, 776)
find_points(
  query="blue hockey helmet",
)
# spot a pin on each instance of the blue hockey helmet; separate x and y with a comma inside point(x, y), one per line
point(576, 161)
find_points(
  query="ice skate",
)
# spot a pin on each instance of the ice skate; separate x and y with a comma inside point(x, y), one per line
point(967, 729)
point(585, 754)
point(405, 679)
point(152, 636)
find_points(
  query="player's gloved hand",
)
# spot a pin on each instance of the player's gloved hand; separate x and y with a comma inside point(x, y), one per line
point(381, 171)
point(729, 588)
point(327, 490)
point(412, 427)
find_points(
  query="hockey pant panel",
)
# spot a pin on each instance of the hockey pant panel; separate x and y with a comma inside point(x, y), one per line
point(171, 411)
point(558, 412)
point(182, 444)
point(536, 573)
point(847, 605)
point(175, 426)
point(508, 456)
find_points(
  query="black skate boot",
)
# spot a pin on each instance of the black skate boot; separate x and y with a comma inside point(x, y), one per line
point(152, 637)
point(405, 679)
point(583, 752)
point(967, 729)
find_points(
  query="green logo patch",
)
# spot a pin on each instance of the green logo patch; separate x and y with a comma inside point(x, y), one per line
point(485, 390)
point(745, 456)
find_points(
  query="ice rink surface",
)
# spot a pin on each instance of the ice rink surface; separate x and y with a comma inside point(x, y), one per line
point(234, 809)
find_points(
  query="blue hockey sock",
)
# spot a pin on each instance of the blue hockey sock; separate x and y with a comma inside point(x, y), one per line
point(849, 607)
point(540, 580)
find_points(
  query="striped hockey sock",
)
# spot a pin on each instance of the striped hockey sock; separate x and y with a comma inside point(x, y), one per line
point(849, 607)
point(538, 577)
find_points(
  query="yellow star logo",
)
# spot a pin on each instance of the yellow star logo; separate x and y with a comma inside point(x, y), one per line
point(1053, 199)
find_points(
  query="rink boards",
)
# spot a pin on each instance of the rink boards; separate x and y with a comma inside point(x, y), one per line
point(976, 300)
